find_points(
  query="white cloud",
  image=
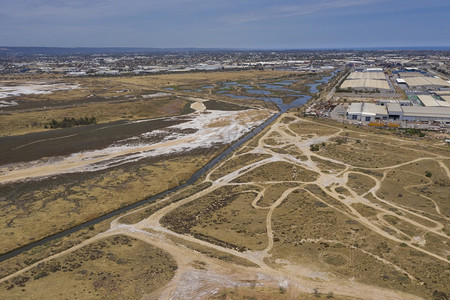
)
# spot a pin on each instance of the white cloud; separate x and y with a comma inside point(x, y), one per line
point(284, 11)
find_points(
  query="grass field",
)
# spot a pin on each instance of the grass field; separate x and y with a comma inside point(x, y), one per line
point(60, 202)
point(112, 267)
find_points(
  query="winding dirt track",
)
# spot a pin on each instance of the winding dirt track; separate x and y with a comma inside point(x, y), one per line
point(191, 283)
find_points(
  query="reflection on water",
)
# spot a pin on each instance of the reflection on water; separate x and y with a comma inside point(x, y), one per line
point(300, 101)
point(260, 92)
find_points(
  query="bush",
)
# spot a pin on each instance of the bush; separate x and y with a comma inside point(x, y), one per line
point(314, 147)
point(71, 122)
point(40, 275)
point(428, 174)
point(413, 131)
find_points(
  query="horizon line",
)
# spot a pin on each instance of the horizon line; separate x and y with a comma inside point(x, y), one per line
point(241, 48)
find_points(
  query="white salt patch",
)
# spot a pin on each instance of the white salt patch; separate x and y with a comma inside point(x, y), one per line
point(7, 104)
point(156, 95)
point(34, 88)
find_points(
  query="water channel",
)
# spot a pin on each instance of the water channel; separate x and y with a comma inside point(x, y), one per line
point(300, 101)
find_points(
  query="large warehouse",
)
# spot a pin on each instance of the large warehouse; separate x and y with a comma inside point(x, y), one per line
point(367, 75)
point(409, 74)
point(366, 81)
point(370, 112)
point(426, 82)
point(429, 100)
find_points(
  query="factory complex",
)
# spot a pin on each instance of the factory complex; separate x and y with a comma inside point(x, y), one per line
point(426, 82)
point(427, 96)
point(371, 112)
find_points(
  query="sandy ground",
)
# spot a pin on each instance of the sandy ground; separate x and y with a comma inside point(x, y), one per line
point(190, 283)
point(198, 106)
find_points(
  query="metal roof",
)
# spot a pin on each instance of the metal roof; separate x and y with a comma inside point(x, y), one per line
point(423, 81)
point(394, 108)
point(365, 83)
point(428, 100)
point(426, 111)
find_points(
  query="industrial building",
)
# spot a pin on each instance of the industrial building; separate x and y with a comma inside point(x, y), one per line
point(390, 101)
point(426, 82)
point(374, 70)
point(366, 81)
point(409, 74)
point(370, 112)
point(367, 112)
point(428, 100)
point(442, 93)
point(446, 98)
point(367, 75)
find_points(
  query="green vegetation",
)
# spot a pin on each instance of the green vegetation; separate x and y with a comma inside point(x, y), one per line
point(314, 148)
point(71, 122)
point(413, 131)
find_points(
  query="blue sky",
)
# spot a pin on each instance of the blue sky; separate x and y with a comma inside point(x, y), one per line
point(226, 23)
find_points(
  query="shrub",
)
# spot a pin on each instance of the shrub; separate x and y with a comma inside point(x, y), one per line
point(314, 147)
point(71, 122)
point(428, 174)
point(40, 275)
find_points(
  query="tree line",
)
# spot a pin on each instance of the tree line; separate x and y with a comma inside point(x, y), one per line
point(71, 122)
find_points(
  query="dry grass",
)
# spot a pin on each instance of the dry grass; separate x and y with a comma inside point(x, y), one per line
point(144, 213)
point(213, 253)
point(17, 123)
point(360, 183)
point(301, 218)
point(327, 166)
point(367, 154)
point(304, 128)
point(273, 192)
point(272, 293)
point(408, 186)
point(74, 199)
point(27, 258)
point(115, 267)
point(278, 171)
point(224, 217)
point(235, 163)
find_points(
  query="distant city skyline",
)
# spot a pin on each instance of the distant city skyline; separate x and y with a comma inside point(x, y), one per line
point(259, 24)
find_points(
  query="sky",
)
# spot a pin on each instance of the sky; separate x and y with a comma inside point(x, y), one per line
point(258, 24)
